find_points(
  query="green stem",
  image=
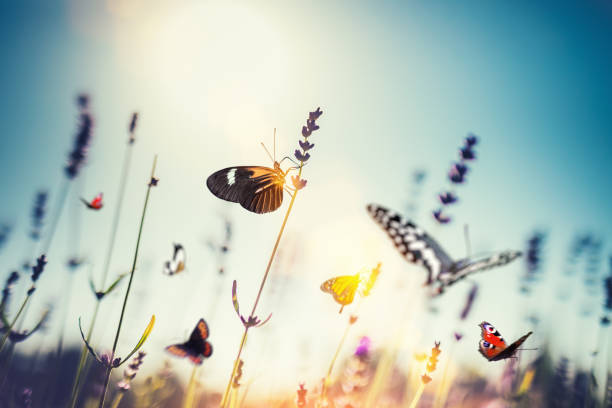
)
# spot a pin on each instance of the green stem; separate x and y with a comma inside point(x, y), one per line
point(8, 330)
point(117, 400)
point(127, 293)
point(84, 354)
point(224, 400)
point(109, 254)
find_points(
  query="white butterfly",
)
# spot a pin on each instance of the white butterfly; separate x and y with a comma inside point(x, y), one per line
point(417, 247)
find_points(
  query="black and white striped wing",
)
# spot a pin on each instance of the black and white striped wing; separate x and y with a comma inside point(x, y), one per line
point(467, 267)
point(258, 189)
point(412, 242)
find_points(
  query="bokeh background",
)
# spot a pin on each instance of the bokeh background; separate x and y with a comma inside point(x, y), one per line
point(400, 84)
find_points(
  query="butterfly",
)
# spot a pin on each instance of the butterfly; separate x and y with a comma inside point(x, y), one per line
point(342, 288)
point(177, 264)
point(259, 189)
point(492, 345)
point(196, 347)
point(95, 204)
point(419, 248)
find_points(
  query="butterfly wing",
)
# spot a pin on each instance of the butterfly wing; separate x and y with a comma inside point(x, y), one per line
point(491, 335)
point(488, 350)
point(511, 349)
point(466, 267)
point(412, 242)
point(342, 288)
point(258, 189)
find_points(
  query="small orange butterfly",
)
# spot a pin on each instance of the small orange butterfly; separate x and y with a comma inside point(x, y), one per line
point(342, 288)
point(492, 345)
point(95, 204)
point(196, 347)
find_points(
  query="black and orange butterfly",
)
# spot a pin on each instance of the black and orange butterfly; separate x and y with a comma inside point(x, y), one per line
point(196, 348)
point(342, 288)
point(492, 345)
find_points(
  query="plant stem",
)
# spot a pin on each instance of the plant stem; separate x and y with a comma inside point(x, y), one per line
point(8, 330)
point(190, 393)
point(122, 184)
point(127, 292)
point(117, 400)
point(83, 359)
point(417, 396)
point(61, 201)
point(333, 361)
point(224, 400)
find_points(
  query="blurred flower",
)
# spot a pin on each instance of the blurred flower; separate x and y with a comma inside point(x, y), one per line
point(469, 302)
point(466, 153)
point(77, 156)
point(38, 269)
point(153, 182)
point(6, 291)
point(307, 130)
point(363, 349)
point(251, 321)
point(447, 198)
point(4, 232)
point(352, 319)
point(458, 336)
point(420, 356)
point(301, 396)
point(425, 379)
point(608, 289)
point(38, 214)
point(441, 218)
point(298, 183)
point(605, 321)
point(471, 140)
point(26, 398)
point(130, 372)
point(433, 359)
point(367, 282)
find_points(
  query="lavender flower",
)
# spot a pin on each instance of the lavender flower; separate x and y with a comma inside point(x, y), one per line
point(455, 176)
point(77, 156)
point(298, 183)
point(6, 291)
point(130, 372)
point(307, 130)
point(469, 302)
point(132, 127)
point(38, 269)
point(363, 349)
point(4, 232)
point(38, 214)
point(441, 218)
point(26, 398)
point(301, 396)
point(608, 290)
point(467, 153)
point(447, 198)
point(471, 140)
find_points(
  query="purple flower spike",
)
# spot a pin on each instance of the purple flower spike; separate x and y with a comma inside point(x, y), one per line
point(448, 198)
point(471, 140)
point(305, 131)
point(305, 145)
point(37, 270)
point(441, 218)
point(458, 336)
point(460, 168)
point(466, 153)
point(315, 115)
point(302, 157)
point(312, 126)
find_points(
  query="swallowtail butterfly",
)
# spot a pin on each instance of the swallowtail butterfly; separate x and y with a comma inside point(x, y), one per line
point(418, 247)
point(258, 189)
point(492, 345)
point(196, 347)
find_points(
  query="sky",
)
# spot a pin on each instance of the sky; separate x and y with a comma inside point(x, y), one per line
point(400, 84)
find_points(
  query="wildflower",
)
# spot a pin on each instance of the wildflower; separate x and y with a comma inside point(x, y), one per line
point(420, 356)
point(471, 140)
point(367, 283)
point(38, 269)
point(441, 218)
point(469, 302)
point(458, 336)
point(447, 198)
point(305, 145)
point(456, 176)
point(425, 379)
point(363, 349)
point(467, 153)
point(26, 398)
point(301, 396)
point(38, 214)
point(82, 140)
point(153, 182)
point(298, 183)
point(433, 359)
point(6, 291)
point(130, 372)
point(251, 321)
point(352, 319)
point(302, 157)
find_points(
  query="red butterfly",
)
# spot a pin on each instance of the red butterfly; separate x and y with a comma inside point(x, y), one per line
point(95, 204)
point(196, 347)
point(492, 345)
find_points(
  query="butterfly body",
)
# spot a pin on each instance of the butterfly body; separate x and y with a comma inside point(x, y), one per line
point(95, 204)
point(258, 189)
point(196, 348)
point(417, 247)
point(492, 345)
point(177, 264)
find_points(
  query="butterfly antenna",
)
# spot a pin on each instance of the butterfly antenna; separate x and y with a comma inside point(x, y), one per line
point(274, 144)
point(290, 159)
point(466, 234)
point(267, 151)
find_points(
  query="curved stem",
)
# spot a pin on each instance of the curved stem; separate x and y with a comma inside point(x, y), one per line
point(127, 292)
point(224, 400)
point(333, 361)
point(10, 328)
point(190, 393)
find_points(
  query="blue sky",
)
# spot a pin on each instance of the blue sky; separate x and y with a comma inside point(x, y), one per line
point(400, 83)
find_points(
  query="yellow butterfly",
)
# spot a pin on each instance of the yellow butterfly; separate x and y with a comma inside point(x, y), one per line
point(342, 288)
